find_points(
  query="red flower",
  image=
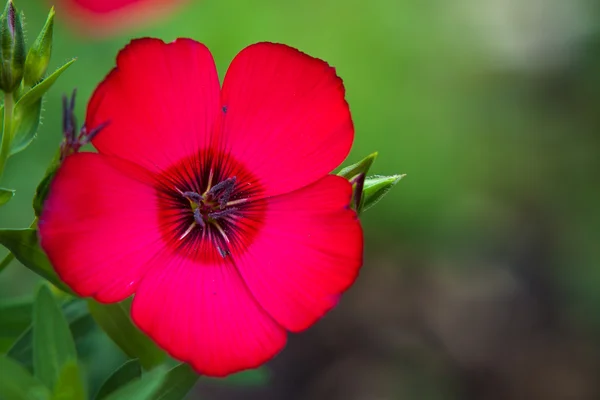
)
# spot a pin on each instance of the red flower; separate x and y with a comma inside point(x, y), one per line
point(213, 206)
point(104, 17)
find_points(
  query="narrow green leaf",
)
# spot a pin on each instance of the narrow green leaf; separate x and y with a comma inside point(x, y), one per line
point(69, 385)
point(38, 91)
point(376, 187)
point(28, 110)
point(6, 195)
point(177, 384)
point(16, 383)
point(252, 377)
point(23, 243)
point(361, 167)
point(115, 321)
point(123, 375)
point(144, 388)
point(80, 322)
point(53, 345)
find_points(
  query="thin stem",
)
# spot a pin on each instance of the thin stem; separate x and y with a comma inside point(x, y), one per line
point(6, 131)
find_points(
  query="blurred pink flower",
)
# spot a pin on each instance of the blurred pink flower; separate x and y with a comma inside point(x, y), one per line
point(99, 18)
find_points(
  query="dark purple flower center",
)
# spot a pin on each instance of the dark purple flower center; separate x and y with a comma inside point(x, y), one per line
point(210, 206)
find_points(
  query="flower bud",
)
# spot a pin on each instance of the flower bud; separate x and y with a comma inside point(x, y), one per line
point(38, 56)
point(12, 49)
point(375, 187)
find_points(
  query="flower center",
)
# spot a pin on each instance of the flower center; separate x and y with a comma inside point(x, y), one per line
point(210, 206)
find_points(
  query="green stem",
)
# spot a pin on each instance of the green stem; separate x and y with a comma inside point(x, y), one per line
point(6, 131)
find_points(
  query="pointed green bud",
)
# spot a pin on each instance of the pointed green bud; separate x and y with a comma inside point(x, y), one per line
point(375, 187)
point(6, 195)
point(38, 57)
point(12, 49)
point(361, 167)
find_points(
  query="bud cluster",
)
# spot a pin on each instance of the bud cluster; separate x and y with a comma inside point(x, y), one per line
point(367, 190)
point(23, 81)
point(17, 66)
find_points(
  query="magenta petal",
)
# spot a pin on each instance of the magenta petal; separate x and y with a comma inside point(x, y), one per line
point(161, 103)
point(307, 253)
point(203, 314)
point(99, 225)
point(285, 116)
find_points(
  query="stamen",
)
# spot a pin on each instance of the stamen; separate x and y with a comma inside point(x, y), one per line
point(221, 231)
point(210, 178)
point(187, 232)
point(236, 202)
point(227, 187)
point(223, 252)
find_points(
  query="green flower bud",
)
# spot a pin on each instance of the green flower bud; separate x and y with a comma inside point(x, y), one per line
point(38, 57)
point(375, 187)
point(12, 49)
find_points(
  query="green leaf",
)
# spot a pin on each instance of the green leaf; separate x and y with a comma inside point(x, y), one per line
point(6, 195)
point(252, 377)
point(53, 345)
point(115, 321)
point(122, 376)
point(26, 122)
point(23, 243)
point(141, 389)
point(361, 167)
point(15, 317)
point(81, 324)
point(28, 110)
point(177, 384)
point(375, 188)
point(6, 261)
point(69, 385)
point(38, 91)
point(16, 383)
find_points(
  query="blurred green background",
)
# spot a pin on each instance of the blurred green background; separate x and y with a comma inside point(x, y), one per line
point(481, 278)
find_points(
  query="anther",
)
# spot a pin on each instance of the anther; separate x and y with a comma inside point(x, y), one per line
point(222, 213)
point(198, 218)
point(227, 186)
point(193, 196)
